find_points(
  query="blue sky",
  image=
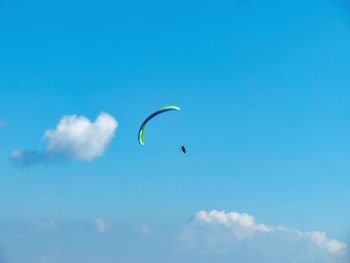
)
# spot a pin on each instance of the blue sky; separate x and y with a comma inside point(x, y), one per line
point(264, 91)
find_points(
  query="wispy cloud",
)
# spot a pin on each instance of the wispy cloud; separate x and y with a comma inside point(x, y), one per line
point(240, 236)
point(28, 157)
point(146, 230)
point(2, 122)
point(75, 137)
point(101, 225)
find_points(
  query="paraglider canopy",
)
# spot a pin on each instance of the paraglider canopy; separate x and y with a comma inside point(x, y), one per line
point(144, 124)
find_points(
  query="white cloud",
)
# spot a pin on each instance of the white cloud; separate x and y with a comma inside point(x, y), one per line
point(47, 225)
point(101, 225)
point(2, 122)
point(81, 139)
point(146, 230)
point(75, 137)
point(240, 236)
point(320, 239)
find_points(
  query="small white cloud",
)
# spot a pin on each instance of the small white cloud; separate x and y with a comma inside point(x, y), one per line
point(75, 137)
point(47, 225)
point(239, 235)
point(2, 122)
point(243, 225)
point(319, 238)
point(101, 225)
point(146, 230)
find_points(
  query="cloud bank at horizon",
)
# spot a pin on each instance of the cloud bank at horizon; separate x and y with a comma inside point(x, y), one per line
point(210, 237)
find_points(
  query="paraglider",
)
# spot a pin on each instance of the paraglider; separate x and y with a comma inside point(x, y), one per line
point(144, 124)
point(183, 149)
